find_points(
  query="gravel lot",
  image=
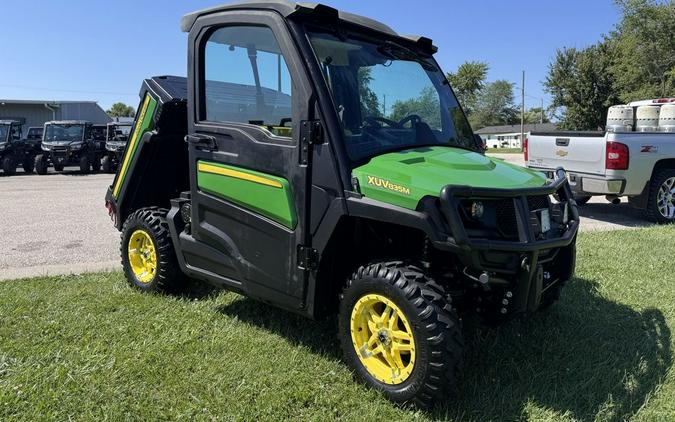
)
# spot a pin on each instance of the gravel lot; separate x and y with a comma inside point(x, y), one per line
point(57, 224)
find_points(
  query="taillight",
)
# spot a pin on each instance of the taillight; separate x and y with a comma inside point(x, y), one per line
point(526, 152)
point(618, 156)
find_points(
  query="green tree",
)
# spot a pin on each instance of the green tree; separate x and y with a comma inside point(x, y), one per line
point(426, 106)
point(468, 82)
point(534, 115)
point(370, 104)
point(121, 110)
point(644, 43)
point(495, 106)
point(582, 86)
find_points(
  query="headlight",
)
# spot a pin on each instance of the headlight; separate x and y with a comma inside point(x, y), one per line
point(3, 146)
point(45, 147)
point(477, 210)
point(76, 145)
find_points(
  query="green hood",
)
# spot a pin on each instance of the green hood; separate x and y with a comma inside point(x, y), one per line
point(404, 178)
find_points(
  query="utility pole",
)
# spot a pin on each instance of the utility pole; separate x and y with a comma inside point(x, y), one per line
point(522, 114)
point(542, 112)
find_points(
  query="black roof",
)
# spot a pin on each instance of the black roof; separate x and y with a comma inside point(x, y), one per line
point(538, 127)
point(288, 9)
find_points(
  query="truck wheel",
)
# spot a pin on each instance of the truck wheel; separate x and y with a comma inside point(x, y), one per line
point(9, 166)
point(399, 333)
point(582, 200)
point(661, 205)
point(41, 166)
point(85, 165)
point(148, 256)
point(106, 164)
point(28, 165)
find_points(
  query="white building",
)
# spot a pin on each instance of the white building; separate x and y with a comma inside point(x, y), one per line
point(509, 136)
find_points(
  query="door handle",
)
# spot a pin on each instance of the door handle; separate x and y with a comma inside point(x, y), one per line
point(205, 142)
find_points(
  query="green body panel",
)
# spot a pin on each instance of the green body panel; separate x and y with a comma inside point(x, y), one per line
point(404, 178)
point(144, 123)
point(274, 202)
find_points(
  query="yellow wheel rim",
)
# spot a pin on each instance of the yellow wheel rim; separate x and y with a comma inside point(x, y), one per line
point(382, 338)
point(142, 256)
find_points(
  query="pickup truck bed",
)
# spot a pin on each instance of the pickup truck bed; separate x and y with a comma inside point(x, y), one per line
point(615, 164)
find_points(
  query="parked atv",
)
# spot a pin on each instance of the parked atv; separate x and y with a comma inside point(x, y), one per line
point(117, 137)
point(14, 151)
point(70, 143)
point(303, 191)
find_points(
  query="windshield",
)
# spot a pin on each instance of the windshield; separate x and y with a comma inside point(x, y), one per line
point(4, 130)
point(119, 132)
point(64, 133)
point(34, 134)
point(389, 97)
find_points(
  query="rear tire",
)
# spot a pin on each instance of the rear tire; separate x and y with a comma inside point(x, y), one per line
point(106, 164)
point(41, 166)
point(85, 165)
point(28, 165)
point(424, 317)
point(148, 256)
point(9, 166)
point(661, 202)
point(582, 200)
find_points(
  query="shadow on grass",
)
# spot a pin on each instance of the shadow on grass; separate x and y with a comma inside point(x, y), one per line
point(587, 358)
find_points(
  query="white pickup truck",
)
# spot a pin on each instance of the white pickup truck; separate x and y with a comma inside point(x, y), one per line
point(636, 165)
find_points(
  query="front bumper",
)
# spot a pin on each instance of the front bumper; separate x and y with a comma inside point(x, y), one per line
point(64, 155)
point(533, 260)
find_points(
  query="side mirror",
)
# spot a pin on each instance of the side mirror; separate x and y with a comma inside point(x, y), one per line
point(481, 145)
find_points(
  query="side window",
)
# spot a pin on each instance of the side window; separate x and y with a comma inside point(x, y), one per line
point(246, 79)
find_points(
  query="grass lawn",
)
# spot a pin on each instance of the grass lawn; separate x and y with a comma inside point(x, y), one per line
point(90, 348)
point(504, 151)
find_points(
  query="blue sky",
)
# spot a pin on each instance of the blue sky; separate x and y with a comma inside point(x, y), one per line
point(95, 50)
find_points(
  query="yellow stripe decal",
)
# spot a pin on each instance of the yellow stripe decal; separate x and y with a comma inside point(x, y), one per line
point(207, 168)
point(131, 147)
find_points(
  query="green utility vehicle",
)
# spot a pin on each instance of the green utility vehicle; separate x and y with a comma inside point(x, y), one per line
point(15, 151)
point(278, 170)
point(70, 143)
point(117, 137)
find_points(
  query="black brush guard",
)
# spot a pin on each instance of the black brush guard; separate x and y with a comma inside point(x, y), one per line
point(527, 278)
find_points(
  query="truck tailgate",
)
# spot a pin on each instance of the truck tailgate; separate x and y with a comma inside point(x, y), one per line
point(581, 152)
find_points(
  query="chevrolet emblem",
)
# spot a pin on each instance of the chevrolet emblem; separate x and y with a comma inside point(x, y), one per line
point(561, 153)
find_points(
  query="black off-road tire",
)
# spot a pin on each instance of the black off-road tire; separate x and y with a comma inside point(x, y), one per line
point(106, 164)
point(9, 166)
point(41, 164)
point(85, 165)
point(96, 165)
point(28, 165)
point(168, 275)
point(439, 344)
point(652, 212)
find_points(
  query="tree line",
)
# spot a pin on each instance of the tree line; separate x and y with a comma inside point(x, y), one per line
point(635, 61)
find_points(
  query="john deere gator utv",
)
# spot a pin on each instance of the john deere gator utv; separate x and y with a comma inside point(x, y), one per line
point(70, 143)
point(117, 136)
point(276, 171)
point(15, 151)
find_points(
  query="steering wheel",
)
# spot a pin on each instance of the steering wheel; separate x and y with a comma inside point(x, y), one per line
point(413, 118)
point(375, 121)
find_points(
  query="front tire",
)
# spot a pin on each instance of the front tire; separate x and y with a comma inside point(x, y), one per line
point(28, 165)
point(85, 165)
point(661, 205)
point(399, 333)
point(9, 166)
point(41, 165)
point(106, 164)
point(148, 256)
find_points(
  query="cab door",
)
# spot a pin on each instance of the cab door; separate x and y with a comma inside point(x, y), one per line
point(249, 175)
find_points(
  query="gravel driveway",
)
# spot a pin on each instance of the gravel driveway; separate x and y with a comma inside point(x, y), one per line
point(57, 224)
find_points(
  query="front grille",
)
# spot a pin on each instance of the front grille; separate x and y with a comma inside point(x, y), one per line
point(507, 223)
point(538, 202)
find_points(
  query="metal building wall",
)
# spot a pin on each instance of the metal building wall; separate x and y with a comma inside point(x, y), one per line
point(38, 114)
